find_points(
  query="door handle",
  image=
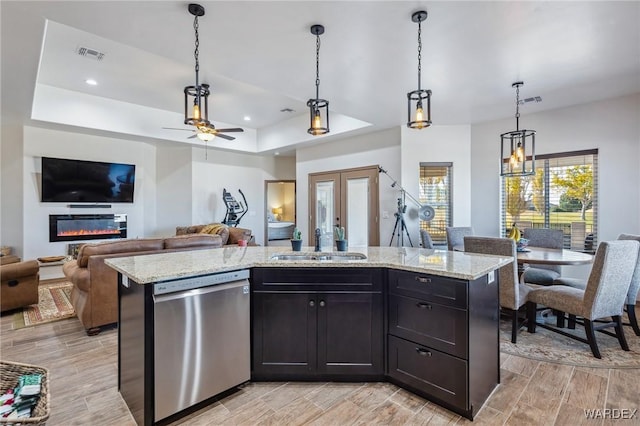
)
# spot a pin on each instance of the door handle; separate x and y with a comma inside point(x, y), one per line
point(423, 279)
point(423, 305)
point(322, 303)
point(423, 352)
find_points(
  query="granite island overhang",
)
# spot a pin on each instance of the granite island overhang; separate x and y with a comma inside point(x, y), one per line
point(154, 268)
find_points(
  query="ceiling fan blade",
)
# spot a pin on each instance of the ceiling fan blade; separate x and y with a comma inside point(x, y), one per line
point(229, 138)
point(235, 129)
point(176, 128)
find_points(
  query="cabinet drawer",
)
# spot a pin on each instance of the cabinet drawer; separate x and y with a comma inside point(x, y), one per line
point(440, 327)
point(436, 374)
point(442, 290)
point(317, 279)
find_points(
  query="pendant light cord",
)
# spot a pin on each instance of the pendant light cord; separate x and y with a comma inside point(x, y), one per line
point(517, 107)
point(419, 54)
point(196, 51)
point(317, 66)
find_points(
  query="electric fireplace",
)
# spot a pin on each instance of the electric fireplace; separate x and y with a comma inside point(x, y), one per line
point(75, 227)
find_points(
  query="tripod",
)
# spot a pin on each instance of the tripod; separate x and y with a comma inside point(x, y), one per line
point(399, 214)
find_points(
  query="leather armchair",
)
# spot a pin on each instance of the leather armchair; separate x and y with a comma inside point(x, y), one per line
point(19, 286)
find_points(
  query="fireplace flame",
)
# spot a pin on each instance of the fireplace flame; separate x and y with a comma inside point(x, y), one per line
point(76, 232)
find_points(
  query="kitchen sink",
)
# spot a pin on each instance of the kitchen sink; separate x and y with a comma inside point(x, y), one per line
point(319, 256)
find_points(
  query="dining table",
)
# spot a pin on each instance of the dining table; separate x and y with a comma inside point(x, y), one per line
point(547, 256)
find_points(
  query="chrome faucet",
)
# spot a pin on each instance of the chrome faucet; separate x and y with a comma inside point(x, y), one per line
point(318, 238)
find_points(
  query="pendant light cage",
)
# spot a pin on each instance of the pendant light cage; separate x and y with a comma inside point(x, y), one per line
point(196, 103)
point(318, 108)
point(419, 101)
point(517, 147)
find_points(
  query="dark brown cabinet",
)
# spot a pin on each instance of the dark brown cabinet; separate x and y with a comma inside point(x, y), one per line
point(443, 338)
point(317, 323)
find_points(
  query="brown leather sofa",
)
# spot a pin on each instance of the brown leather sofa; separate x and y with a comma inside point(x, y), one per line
point(95, 285)
point(19, 285)
point(230, 235)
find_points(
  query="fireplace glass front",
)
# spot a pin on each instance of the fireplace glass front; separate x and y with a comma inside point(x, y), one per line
point(74, 227)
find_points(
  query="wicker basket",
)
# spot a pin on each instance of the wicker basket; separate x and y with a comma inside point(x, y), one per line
point(10, 372)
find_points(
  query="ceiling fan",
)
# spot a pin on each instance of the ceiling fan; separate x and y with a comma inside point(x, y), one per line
point(206, 133)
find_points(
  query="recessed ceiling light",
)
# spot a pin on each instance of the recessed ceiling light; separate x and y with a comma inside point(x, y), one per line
point(247, 118)
point(277, 153)
point(91, 82)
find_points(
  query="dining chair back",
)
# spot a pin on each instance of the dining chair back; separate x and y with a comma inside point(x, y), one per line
point(634, 288)
point(603, 297)
point(456, 234)
point(425, 239)
point(512, 293)
point(546, 238)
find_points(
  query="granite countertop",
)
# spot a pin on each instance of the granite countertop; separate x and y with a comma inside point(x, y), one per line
point(152, 268)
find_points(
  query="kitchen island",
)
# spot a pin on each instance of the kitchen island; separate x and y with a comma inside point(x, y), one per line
point(426, 320)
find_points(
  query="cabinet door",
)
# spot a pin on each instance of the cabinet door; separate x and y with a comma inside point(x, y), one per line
point(350, 333)
point(284, 334)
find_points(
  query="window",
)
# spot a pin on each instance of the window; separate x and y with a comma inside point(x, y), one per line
point(435, 191)
point(561, 195)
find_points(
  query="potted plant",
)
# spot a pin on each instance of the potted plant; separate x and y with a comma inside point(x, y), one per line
point(341, 243)
point(296, 240)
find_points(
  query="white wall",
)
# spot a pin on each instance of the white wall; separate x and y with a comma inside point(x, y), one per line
point(380, 148)
point(173, 182)
point(11, 194)
point(437, 144)
point(216, 170)
point(39, 142)
point(612, 126)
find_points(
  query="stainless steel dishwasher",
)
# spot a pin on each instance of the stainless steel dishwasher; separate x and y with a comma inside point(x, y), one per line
point(201, 339)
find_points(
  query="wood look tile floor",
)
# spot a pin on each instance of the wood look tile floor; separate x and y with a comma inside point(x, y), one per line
point(84, 390)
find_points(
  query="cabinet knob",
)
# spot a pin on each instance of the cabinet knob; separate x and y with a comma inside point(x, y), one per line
point(312, 303)
point(423, 352)
point(322, 303)
point(423, 279)
point(423, 305)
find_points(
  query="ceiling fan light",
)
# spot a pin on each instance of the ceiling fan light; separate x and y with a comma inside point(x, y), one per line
point(205, 136)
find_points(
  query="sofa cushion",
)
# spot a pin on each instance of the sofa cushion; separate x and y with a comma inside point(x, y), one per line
point(193, 240)
point(121, 246)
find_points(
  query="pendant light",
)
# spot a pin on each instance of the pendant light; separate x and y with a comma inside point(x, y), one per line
point(416, 117)
point(196, 105)
point(318, 108)
point(519, 145)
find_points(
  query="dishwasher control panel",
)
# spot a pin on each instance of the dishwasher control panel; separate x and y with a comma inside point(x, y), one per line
point(199, 282)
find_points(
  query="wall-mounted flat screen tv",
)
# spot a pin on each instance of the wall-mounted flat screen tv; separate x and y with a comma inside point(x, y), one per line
point(65, 180)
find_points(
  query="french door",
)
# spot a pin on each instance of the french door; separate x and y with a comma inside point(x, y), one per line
point(346, 198)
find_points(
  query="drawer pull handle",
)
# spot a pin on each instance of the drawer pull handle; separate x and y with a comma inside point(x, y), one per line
point(312, 303)
point(423, 352)
point(423, 279)
point(422, 305)
point(322, 303)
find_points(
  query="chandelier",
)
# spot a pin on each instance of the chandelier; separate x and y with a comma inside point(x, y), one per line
point(196, 105)
point(519, 145)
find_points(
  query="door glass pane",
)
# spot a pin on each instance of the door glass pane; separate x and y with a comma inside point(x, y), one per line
point(325, 209)
point(358, 212)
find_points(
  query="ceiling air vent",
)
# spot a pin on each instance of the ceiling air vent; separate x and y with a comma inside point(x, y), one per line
point(90, 53)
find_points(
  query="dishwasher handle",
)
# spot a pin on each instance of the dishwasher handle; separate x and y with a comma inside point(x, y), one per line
point(158, 298)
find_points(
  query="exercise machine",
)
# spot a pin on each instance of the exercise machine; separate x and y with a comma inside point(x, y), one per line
point(235, 210)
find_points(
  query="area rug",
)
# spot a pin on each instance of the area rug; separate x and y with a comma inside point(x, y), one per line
point(54, 304)
point(545, 345)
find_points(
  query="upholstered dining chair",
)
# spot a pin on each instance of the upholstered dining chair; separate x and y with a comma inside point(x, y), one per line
point(425, 239)
point(546, 238)
point(455, 236)
point(603, 297)
point(632, 293)
point(513, 294)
